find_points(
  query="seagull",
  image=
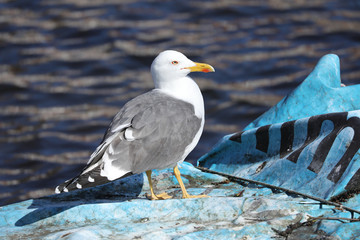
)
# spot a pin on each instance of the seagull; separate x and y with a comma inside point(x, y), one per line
point(155, 130)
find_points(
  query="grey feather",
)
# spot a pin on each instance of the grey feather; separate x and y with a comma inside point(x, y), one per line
point(162, 126)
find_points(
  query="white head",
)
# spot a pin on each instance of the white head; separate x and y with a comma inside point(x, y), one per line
point(171, 65)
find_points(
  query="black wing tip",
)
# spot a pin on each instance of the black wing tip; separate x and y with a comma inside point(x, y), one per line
point(64, 186)
point(87, 180)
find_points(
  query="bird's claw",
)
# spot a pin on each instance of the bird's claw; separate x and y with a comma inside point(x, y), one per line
point(161, 196)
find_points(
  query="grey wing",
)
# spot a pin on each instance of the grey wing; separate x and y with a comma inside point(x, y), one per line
point(150, 132)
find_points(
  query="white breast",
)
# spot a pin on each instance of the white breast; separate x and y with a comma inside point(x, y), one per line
point(187, 90)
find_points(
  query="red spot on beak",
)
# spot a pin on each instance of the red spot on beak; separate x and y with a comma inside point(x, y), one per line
point(205, 70)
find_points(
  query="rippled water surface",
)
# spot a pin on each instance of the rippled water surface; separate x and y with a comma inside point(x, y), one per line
point(66, 67)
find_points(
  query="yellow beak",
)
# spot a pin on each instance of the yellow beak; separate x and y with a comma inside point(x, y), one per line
point(201, 67)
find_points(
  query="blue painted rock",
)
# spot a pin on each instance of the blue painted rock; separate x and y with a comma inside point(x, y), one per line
point(318, 155)
point(120, 210)
point(313, 154)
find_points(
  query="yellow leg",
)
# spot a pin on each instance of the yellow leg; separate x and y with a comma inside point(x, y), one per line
point(161, 196)
point(183, 189)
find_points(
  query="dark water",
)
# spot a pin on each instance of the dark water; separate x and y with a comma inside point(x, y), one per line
point(66, 67)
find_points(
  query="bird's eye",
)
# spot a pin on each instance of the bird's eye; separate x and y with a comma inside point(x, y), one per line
point(174, 62)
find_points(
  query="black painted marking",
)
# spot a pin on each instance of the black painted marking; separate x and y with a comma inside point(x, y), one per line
point(287, 138)
point(236, 137)
point(315, 123)
point(340, 122)
point(313, 131)
point(354, 146)
point(262, 138)
point(353, 184)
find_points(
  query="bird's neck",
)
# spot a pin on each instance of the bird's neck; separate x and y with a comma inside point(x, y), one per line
point(184, 89)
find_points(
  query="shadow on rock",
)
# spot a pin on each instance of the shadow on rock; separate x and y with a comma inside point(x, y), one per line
point(47, 207)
